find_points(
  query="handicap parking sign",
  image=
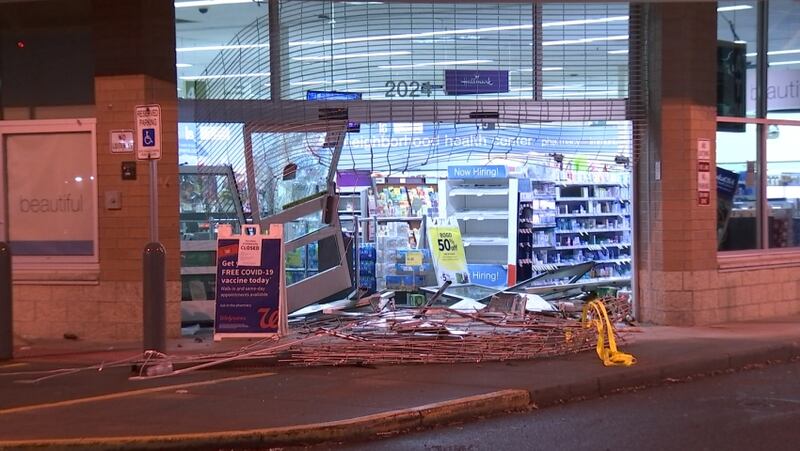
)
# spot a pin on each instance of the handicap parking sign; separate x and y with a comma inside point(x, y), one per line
point(148, 137)
point(148, 129)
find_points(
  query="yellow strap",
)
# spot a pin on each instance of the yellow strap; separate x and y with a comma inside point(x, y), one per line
point(610, 356)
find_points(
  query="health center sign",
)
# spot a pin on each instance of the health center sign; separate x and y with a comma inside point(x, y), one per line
point(250, 289)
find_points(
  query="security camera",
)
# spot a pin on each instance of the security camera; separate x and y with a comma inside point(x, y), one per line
point(203, 10)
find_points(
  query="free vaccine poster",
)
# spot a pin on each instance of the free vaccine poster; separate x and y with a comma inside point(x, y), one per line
point(250, 300)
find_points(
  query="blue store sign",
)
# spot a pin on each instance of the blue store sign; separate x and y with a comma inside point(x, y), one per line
point(460, 82)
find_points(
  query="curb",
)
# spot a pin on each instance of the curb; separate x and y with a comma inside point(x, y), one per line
point(634, 376)
point(359, 427)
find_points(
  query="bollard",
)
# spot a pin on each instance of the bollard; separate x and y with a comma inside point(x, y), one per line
point(6, 304)
point(154, 297)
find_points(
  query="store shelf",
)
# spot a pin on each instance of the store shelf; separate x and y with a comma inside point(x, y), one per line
point(484, 241)
point(599, 262)
point(599, 230)
point(593, 246)
point(398, 218)
point(592, 184)
point(534, 225)
point(479, 215)
point(478, 192)
point(589, 215)
point(584, 199)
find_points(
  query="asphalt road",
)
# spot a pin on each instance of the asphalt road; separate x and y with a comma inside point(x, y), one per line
point(750, 410)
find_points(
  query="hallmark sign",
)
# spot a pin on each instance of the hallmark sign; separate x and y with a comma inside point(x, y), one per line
point(462, 82)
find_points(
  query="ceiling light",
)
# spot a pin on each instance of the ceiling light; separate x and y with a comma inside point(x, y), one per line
point(544, 69)
point(586, 40)
point(323, 82)
point(221, 76)
point(208, 48)
point(618, 52)
point(784, 63)
point(740, 42)
point(412, 35)
point(777, 52)
point(548, 88)
point(579, 94)
point(198, 3)
point(183, 65)
point(436, 63)
point(566, 23)
point(723, 9)
point(349, 55)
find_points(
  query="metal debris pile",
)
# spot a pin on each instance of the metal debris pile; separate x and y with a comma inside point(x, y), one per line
point(445, 335)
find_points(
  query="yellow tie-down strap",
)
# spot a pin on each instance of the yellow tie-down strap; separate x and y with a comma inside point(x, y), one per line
point(610, 355)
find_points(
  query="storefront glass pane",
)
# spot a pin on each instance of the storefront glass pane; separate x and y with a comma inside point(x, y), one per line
point(737, 181)
point(585, 50)
point(401, 50)
point(289, 168)
point(222, 51)
point(736, 53)
point(783, 185)
point(783, 90)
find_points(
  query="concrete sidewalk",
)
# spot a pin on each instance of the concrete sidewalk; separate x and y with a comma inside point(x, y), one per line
point(261, 406)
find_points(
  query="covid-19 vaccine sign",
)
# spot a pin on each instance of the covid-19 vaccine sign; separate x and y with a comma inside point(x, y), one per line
point(250, 292)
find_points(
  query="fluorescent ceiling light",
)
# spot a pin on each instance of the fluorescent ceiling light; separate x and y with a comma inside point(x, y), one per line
point(618, 52)
point(425, 34)
point(198, 3)
point(436, 63)
point(723, 9)
point(221, 76)
point(586, 40)
point(548, 88)
point(323, 82)
point(580, 94)
point(777, 52)
point(544, 69)
point(349, 55)
point(740, 42)
point(182, 65)
point(784, 63)
point(208, 48)
point(566, 23)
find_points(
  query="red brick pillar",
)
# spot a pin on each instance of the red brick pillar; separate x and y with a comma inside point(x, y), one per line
point(134, 44)
point(677, 239)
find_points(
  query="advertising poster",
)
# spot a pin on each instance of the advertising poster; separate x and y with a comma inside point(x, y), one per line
point(727, 182)
point(447, 251)
point(251, 300)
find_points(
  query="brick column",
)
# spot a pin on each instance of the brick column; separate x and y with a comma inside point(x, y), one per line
point(134, 44)
point(677, 239)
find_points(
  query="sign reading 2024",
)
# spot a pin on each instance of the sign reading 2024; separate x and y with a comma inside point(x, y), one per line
point(403, 88)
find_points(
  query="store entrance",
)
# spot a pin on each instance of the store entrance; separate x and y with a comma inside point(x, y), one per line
point(526, 199)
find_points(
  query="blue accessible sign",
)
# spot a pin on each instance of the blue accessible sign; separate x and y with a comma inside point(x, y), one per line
point(250, 291)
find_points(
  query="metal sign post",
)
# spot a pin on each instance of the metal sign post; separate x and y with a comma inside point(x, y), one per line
point(154, 284)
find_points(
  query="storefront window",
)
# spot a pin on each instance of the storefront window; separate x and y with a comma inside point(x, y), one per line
point(783, 185)
point(401, 50)
point(783, 56)
point(222, 51)
point(737, 185)
point(585, 50)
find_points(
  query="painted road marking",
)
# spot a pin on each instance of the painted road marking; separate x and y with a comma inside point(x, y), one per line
point(13, 365)
point(125, 394)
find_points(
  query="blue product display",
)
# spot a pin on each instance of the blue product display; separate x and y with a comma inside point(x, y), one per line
point(366, 270)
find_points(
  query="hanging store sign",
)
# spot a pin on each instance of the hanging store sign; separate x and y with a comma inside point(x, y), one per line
point(477, 172)
point(332, 95)
point(463, 82)
point(250, 290)
point(447, 251)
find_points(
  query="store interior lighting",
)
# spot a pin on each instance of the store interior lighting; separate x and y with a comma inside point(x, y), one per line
point(350, 55)
point(436, 63)
point(214, 48)
point(733, 8)
point(223, 76)
point(204, 3)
